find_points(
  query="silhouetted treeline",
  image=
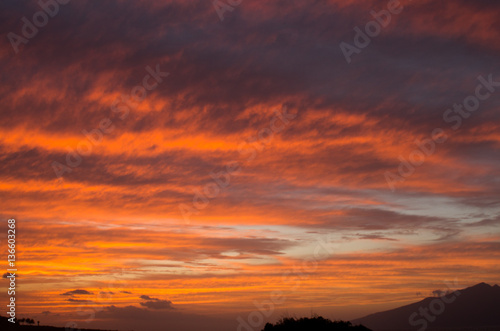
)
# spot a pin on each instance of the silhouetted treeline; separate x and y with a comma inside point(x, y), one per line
point(317, 323)
point(20, 325)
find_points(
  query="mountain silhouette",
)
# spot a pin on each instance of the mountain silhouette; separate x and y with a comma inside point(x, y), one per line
point(472, 308)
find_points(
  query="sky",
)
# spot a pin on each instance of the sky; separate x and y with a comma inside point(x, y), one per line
point(216, 165)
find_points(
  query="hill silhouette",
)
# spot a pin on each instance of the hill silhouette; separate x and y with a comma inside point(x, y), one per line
point(476, 307)
point(317, 323)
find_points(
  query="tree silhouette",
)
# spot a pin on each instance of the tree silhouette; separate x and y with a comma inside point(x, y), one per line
point(316, 323)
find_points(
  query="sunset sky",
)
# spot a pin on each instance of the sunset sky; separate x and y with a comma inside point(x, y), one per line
point(171, 163)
